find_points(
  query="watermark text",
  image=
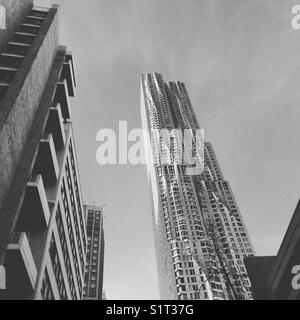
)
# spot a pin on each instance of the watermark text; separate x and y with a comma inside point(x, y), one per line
point(2, 18)
point(296, 278)
point(295, 23)
point(154, 146)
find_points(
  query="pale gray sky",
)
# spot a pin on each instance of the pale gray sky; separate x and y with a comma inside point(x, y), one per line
point(240, 61)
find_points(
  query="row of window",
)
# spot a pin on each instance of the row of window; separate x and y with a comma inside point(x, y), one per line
point(65, 251)
point(71, 234)
point(74, 214)
point(57, 269)
point(93, 233)
point(79, 207)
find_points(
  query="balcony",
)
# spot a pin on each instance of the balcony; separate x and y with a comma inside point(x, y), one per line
point(55, 126)
point(16, 49)
point(10, 61)
point(30, 29)
point(35, 213)
point(46, 162)
point(20, 267)
point(33, 21)
point(24, 38)
point(61, 97)
point(69, 75)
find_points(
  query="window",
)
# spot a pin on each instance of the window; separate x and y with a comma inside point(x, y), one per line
point(46, 290)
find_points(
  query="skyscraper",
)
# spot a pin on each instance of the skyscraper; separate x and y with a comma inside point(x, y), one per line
point(93, 278)
point(42, 227)
point(200, 236)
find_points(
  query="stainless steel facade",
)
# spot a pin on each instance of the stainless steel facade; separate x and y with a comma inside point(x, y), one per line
point(200, 237)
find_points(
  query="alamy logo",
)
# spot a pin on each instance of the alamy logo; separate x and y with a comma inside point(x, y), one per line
point(2, 18)
point(295, 23)
point(157, 147)
point(296, 278)
point(2, 278)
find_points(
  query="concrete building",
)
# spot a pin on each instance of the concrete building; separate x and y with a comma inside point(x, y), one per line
point(93, 278)
point(278, 277)
point(42, 227)
point(200, 236)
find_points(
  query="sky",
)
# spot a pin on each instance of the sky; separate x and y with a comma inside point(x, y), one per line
point(240, 61)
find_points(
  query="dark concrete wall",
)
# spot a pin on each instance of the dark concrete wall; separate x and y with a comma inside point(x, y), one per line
point(18, 110)
point(37, 240)
point(259, 269)
point(15, 12)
